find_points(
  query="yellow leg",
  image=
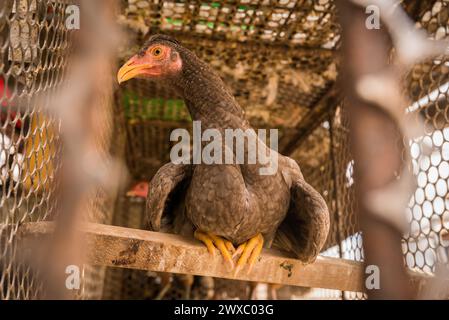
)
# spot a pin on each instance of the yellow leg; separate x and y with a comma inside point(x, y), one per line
point(250, 252)
point(213, 242)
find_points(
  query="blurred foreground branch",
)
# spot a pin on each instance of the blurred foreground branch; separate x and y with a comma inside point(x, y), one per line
point(376, 107)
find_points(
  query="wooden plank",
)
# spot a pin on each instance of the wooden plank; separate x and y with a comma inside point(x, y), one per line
point(139, 249)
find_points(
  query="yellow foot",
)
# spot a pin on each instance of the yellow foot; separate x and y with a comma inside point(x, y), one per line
point(213, 242)
point(250, 252)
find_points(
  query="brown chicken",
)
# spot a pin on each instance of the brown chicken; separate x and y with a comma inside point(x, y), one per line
point(226, 205)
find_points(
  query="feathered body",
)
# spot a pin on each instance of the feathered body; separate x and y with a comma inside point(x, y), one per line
point(233, 201)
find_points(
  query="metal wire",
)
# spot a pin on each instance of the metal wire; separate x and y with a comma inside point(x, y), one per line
point(35, 51)
point(34, 46)
point(428, 212)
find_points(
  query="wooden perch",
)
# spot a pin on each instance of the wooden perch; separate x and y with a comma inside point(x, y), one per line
point(138, 249)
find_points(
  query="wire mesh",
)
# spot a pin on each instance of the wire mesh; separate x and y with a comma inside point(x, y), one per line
point(306, 23)
point(33, 58)
point(35, 51)
point(331, 173)
point(428, 214)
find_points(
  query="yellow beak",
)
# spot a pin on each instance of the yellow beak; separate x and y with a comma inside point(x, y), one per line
point(131, 70)
point(131, 194)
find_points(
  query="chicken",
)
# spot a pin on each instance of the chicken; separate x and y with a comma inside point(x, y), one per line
point(139, 190)
point(230, 207)
point(11, 146)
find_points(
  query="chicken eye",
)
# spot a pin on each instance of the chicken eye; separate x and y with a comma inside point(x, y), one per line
point(156, 51)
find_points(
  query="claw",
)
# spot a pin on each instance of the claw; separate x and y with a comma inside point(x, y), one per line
point(230, 247)
point(213, 242)
point(206, 240)
point(250, 252)
point(239, 250)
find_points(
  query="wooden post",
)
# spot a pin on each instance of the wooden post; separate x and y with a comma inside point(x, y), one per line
point(374, 136)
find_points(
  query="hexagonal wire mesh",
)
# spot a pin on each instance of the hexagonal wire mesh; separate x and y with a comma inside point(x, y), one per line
point(35, 47)
point(29, 140)
point(428, 213)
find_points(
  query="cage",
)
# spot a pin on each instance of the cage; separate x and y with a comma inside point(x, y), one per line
point(282, 61)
